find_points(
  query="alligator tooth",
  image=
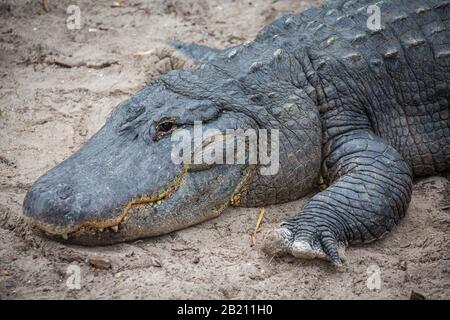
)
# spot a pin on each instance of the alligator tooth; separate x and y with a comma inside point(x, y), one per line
point(158, 202)
point(65, 236)
point(101, 229)
point(115, 228)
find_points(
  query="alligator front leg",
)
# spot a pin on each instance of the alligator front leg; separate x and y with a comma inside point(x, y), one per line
point(369, 193)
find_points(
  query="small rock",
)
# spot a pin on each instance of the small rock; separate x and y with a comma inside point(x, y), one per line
point(416, 296)
point(403, 265)
point(256, 277)
point(226, 293)
point(100, 262)
point(289, 259)
point(4, 272)
point(117, 4)
point(71, 256)
point(196, 260)
point(156, 263)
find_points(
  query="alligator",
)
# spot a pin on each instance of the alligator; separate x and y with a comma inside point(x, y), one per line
point(361, 110)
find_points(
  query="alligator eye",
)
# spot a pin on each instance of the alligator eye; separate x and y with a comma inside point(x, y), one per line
point(165, 126)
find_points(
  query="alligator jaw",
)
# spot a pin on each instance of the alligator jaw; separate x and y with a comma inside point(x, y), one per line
point(126, 225)
point(109, 225)
point(96, 227)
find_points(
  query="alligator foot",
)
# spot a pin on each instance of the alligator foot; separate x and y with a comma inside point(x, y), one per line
point(368, 197)
point(317, 245)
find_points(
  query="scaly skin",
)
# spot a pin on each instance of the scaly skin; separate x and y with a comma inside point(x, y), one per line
point(383, 98)
point(367, 110)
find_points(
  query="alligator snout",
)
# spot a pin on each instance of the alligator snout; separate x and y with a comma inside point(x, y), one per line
point(42, 200)
point(64, 191)
point(55, 207)
point(87, 198)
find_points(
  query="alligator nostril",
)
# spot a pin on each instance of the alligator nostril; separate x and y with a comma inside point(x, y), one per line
point(64, 191)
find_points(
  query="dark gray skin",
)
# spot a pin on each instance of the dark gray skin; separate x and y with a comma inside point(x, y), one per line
point(365, 111)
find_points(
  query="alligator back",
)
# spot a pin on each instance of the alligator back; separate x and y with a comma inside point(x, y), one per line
point(394, 79)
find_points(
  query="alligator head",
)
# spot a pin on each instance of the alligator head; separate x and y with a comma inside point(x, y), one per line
point(123, 183)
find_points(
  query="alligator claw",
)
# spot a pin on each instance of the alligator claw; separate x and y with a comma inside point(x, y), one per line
point(323, 245)
point(330, 248)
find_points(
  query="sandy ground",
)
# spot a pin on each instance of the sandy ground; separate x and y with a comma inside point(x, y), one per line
point(56, 88)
